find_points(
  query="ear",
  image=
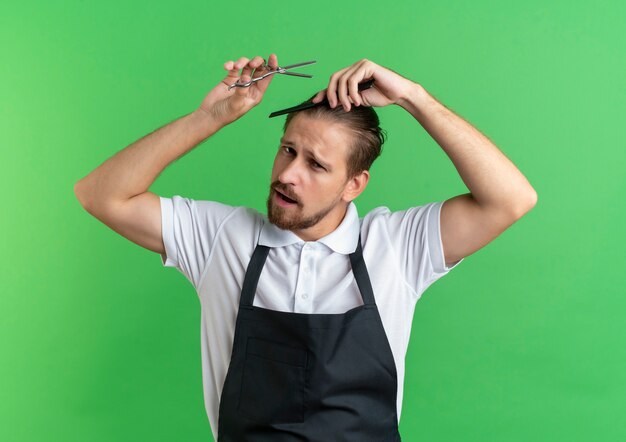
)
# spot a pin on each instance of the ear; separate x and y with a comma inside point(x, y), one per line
point(355, 186)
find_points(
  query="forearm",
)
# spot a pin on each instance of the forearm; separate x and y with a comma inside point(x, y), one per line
point(132, 170)
point(490, 176)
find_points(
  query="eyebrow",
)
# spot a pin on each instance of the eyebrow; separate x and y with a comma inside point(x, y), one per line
point(309, 151)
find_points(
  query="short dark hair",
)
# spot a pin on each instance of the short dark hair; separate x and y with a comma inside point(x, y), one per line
point(362, 121)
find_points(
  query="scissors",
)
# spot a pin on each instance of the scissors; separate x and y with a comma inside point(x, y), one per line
point(278, 70)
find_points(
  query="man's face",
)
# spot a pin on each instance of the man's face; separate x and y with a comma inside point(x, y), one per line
point(310, 168)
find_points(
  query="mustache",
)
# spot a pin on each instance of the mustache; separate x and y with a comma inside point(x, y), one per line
point(282, 189)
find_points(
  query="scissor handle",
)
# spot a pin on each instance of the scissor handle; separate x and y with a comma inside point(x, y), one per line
point(253, 80)
point(278, 70)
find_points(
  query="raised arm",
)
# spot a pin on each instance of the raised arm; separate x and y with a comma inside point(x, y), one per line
point(499, 193)
point(116, 192)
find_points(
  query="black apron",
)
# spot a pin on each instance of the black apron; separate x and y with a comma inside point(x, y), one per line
point(309, 377)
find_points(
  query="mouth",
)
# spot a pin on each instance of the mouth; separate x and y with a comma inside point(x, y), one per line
point(283, 199)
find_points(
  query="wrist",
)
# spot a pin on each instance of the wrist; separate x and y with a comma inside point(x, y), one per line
point(410, 95)
point(207, 121)
point(414, 99)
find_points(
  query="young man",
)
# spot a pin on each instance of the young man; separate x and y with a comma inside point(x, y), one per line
point(306, 312)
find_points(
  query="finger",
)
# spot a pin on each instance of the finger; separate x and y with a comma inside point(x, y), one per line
point(331, 91)
point(342, 95)
point(259, 65)
point(246, 72)
point(319, 96)
point(233, 68)
point(359, 74)
point(342, 86)
point(272, 63)
point(232, 75)
point(353, 87)
point(252, 64)
point(240, 63)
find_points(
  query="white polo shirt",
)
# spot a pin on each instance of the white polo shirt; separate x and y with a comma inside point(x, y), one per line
point(212, 243)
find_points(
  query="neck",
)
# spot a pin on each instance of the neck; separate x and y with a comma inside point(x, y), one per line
point(325, 226)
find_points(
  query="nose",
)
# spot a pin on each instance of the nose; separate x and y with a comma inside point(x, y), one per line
point(290, 173)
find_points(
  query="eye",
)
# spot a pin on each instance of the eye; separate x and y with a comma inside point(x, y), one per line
point(317, 165)
point(287, 149)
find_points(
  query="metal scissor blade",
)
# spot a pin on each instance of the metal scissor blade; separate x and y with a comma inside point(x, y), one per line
point(297, 74)
point(291, 66)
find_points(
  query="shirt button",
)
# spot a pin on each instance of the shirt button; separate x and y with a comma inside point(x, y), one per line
point(305, 295)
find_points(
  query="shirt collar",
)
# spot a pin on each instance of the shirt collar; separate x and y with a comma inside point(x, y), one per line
point(342, 240)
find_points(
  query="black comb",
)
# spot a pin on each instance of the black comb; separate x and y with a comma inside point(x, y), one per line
point(307, 104)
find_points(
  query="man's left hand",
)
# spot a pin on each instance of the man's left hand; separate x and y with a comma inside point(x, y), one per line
point(389, 87)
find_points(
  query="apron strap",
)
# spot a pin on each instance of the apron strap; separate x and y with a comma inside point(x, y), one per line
point(252, 275)
point(361, 275)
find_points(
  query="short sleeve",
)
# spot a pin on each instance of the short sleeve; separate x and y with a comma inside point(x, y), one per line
point(415, 234)
point(189, 228)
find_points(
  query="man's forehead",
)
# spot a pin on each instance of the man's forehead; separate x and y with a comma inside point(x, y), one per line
point(327, 140)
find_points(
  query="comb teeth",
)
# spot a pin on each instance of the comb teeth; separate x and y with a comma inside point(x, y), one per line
point(307, 104)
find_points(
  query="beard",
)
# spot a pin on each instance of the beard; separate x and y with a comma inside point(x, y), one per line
point(281, 217)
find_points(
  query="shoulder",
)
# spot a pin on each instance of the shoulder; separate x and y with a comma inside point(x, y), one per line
point(209, 217)
point(196, 206)
point(207, 208)
point(384, 217)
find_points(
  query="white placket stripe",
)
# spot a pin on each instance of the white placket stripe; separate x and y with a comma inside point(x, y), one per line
point(305, 289)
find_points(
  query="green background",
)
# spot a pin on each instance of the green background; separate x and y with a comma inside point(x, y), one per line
point(523, 341)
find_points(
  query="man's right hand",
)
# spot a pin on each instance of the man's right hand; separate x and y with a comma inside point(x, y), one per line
point(226, 106)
